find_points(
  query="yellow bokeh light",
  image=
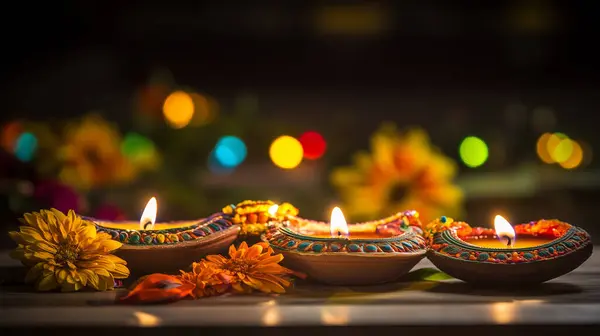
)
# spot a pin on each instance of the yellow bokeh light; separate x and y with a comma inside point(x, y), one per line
point(563, 150)
point(553, 142)
point(542, 148)
point(576, 157)
point(178, 109)
point(286, 152)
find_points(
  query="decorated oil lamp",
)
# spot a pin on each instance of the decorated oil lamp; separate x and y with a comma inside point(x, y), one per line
point(529, 253)
point(356, 254)
point(150, 247)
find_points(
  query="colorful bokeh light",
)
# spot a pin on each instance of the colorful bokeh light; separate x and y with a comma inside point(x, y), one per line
point(575, 158)
point(286, 152)
point(313, 144)
point(178, 109)
point(25, 146)
point(138, 149)
point(473, 151)
point(230, 151)
point(10, 133)
point(215, 166)
point(563, 150)
point(559, 148)
point(542, 148)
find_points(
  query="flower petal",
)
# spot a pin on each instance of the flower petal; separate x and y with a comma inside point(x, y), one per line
point(30, 235)
point(30, 219)
point(271, 260)
point(42, 246)
point(254, 251)
point(87, 231)
point(61, 275)
point(92, 279)
point(110, 245)
point(34, 273)
point(217, 259)
point(47, 282)
point(232, 251)
point(17, 238)
point(60, 217)
point(274, 287)
point(120, 272)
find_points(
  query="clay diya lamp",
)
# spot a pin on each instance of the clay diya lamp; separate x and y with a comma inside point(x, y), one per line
point(357, 254)
point(527, 254)
point(150, 247)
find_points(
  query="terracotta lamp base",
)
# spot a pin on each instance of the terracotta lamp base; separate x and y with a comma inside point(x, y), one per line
point(369, 259)
point(453, 251)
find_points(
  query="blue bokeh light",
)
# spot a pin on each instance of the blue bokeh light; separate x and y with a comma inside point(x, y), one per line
point(216, 167)
point(25, 146)
point(230, 151)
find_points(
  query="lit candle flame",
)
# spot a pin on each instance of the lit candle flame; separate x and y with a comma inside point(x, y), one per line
point(504, 230)
point(149, 215)
point(338, 225)
point(273, 210)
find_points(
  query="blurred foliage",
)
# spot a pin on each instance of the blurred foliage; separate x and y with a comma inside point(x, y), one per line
point(110, 171)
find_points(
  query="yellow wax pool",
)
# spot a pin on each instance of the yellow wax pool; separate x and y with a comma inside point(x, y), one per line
point(353, 235)
point(131, 225)
point(520, 242)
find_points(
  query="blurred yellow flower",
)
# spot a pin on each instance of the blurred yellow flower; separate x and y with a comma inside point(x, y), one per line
point(92, 155)
point(402, 172)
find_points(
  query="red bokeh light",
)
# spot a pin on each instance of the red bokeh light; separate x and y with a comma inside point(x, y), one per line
point(313, 145)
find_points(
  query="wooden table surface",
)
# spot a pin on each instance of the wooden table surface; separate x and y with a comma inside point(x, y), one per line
point(573, 299)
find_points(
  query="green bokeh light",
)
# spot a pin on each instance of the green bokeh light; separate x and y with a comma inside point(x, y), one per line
point(136, 146)
point(473, 151)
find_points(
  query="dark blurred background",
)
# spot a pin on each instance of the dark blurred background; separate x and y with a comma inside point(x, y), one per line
point(109, 103)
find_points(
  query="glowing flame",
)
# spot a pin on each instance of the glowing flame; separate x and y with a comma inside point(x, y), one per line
point(504, 230)
point(338, 225)
point(149, 215)
point(273, 210)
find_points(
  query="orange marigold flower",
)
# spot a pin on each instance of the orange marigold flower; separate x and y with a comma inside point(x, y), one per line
point(251, 268)
point(208, 281)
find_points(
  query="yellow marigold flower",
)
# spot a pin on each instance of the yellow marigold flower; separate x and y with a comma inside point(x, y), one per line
point(251, 268)
point(65, 251)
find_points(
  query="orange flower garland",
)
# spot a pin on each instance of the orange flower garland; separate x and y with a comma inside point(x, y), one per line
point(248, 269)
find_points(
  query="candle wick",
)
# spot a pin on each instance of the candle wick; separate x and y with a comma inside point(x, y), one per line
point(147, 223)
point(508, 240)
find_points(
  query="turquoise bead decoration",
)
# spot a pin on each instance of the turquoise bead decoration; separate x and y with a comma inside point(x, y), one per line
point(371, 248)
point(134, 238)
point(303, 246)
point(354, 248)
